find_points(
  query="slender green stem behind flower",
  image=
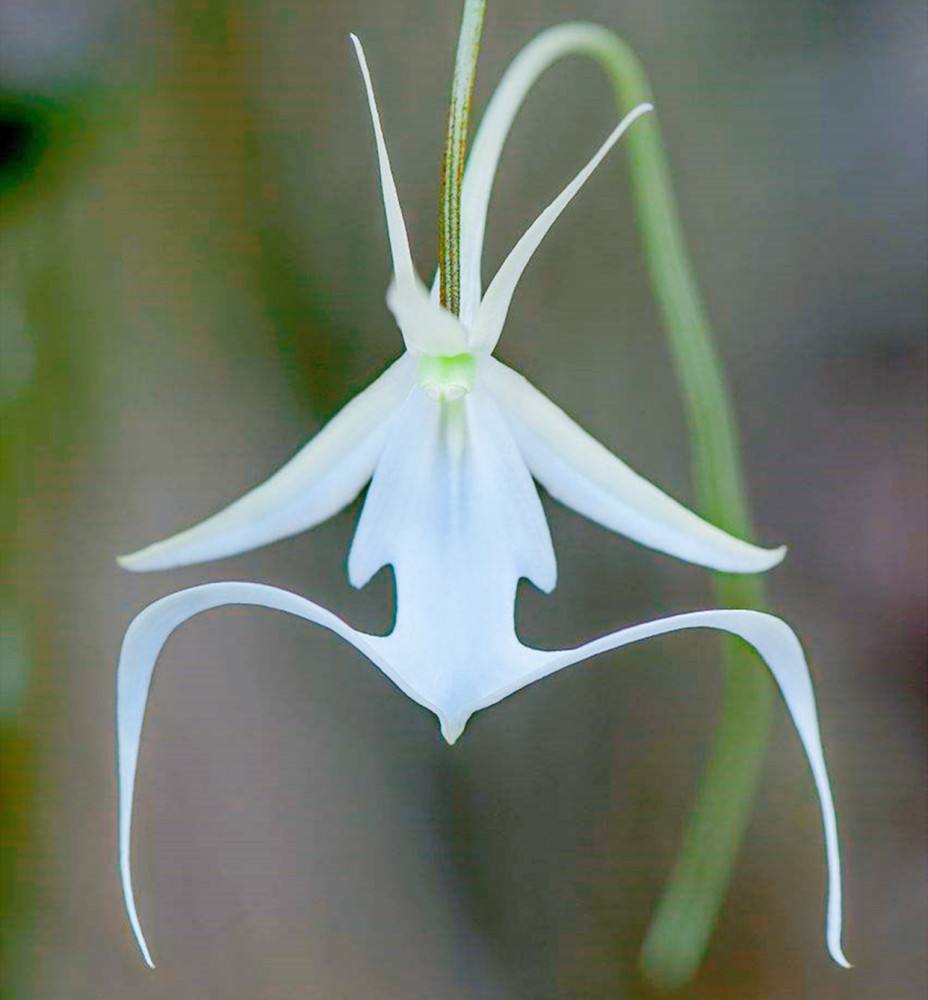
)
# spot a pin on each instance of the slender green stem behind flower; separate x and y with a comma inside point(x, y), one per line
point(452, 166)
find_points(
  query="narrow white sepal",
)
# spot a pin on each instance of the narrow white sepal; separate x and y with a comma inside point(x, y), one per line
point(495, 304)
point(776, 643)
point(322, 478)
point(396, 226)
point(584, 475)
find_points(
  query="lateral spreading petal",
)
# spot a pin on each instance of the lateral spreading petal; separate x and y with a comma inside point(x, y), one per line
point(580, 472)
point(324, 476)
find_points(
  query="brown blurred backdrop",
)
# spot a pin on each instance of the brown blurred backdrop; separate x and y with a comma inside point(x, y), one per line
point(192, 269)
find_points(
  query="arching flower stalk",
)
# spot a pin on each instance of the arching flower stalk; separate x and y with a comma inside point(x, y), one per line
point(451, 440)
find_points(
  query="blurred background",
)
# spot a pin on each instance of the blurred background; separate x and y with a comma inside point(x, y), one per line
point(193, 267)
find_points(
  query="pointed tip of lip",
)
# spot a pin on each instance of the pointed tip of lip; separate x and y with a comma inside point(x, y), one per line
point(451, 729)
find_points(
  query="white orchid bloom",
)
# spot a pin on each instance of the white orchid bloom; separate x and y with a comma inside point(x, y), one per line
point(451, 440)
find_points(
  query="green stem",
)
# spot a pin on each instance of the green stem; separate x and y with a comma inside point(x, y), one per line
point(452, 165)
point(689, 906)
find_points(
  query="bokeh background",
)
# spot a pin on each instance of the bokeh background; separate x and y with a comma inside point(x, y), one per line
point(193, 269)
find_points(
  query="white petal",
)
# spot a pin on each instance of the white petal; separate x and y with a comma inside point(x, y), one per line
point(141, 647)
point(396, 227)
point(316, 483)
point(777, 645)
point(495, 304)
point(427, 327)
point(580, 472)
point(454, 510)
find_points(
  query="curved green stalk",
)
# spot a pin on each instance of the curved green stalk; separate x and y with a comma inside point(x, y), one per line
point(452, 165)
point(687, 912)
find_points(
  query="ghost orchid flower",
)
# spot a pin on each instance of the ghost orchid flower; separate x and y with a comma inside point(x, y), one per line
point(451, 440)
